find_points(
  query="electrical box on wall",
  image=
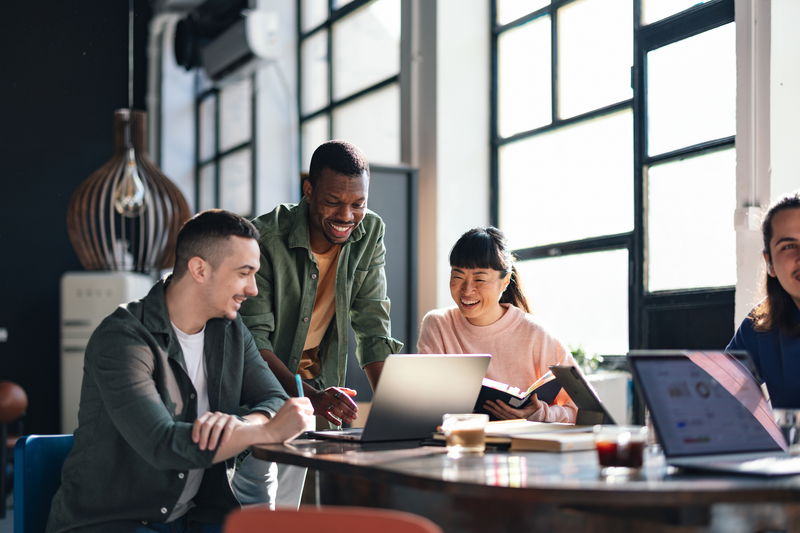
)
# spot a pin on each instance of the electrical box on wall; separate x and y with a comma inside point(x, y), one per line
point(86, 299)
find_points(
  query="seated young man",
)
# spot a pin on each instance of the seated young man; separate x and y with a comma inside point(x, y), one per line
point(771, 332)
point(163, 380)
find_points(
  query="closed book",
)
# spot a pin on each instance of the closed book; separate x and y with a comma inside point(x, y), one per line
point(553, 442)
point(546, 388)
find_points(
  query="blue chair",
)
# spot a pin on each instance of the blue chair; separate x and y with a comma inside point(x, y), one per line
point(37, 475)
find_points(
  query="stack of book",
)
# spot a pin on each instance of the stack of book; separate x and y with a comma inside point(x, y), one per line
point(524, 435)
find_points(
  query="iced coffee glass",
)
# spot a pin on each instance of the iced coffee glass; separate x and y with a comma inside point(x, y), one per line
point(620, 449)
point(465, 433)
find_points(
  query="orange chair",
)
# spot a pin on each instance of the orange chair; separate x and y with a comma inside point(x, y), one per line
point(327, 520)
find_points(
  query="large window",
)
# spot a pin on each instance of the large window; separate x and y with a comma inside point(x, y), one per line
point(225, 163)
point(613, 165)
point(349, 70)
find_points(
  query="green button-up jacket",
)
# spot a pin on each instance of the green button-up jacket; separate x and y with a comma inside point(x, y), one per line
point(280, 315)
point(133, 446)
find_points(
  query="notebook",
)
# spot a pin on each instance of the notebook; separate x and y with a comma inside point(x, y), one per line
point(709, 413)
point(413, 393)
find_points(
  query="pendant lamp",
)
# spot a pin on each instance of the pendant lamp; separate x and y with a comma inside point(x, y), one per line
point(126, 215)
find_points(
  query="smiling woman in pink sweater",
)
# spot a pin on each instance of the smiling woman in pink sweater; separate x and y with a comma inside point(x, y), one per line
point(492, 316)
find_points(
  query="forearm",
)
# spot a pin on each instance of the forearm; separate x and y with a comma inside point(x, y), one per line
point(294, 417)
point(284, 375)
point(239, 439)
point(373, 371)
point(243, 436)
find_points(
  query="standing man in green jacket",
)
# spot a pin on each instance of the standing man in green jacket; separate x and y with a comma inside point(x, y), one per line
point(165, 379)
point(322, 271)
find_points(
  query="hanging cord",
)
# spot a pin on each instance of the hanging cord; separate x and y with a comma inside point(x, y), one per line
point(130, 55)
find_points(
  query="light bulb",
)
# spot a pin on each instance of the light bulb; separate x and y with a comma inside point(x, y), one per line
point(129, 195)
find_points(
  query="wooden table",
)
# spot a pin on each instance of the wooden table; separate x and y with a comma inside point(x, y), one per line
point(550, 492)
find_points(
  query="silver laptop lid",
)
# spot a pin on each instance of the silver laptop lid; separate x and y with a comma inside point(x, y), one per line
point(704, 403)
point(414, 391)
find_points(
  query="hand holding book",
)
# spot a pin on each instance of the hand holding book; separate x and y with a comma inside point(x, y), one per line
point(502, 401)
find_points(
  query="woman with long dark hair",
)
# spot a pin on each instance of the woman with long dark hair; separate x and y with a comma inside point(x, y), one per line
point(492, 316)
point(771, 332)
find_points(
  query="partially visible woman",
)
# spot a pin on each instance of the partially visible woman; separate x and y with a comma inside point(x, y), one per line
point(492, 316)
point(771, 332)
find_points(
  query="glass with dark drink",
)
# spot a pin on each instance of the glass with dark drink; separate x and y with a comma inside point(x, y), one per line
point(620, 449)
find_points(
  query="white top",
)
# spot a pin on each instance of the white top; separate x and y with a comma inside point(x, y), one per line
point(192, 347)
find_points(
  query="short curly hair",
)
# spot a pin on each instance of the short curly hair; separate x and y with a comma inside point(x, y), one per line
point(339, 156)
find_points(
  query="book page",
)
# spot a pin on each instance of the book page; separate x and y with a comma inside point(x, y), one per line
point(544, 378)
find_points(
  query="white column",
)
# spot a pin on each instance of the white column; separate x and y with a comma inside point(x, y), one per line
point(752, 146)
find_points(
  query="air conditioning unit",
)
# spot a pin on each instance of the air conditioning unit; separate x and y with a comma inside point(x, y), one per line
point(250, 42)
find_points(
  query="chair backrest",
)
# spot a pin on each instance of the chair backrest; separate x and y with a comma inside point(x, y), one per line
point(327, 519)
point(37, 476)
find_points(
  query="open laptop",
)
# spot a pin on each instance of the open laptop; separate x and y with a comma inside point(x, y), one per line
point(590, 408)
point(710, 414)
point(414, 392)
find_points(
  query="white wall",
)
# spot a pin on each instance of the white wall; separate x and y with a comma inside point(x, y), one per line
point(768, 111)
point(752, 146)
point(176, 106)
point(785, 97)
point(462, 170)
point(276, 136)
point(449, 133)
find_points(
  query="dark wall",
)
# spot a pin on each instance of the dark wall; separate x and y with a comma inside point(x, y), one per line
point(65, 70)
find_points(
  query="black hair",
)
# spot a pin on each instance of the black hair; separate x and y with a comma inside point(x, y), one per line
point(486, 247)
point(339, 156)
point(778, 309)
point(205, 235)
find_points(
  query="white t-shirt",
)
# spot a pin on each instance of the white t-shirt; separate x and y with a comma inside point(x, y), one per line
point(192, 347)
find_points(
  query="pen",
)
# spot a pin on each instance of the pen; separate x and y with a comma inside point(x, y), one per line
point(299, 385)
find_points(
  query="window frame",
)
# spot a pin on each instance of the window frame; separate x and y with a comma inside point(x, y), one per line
point(201, 96)
point(334, 16)
point(679, 26)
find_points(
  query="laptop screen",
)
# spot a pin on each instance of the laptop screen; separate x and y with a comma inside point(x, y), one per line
point(705, 403)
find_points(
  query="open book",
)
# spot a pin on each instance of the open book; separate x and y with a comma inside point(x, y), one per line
point(546, 388)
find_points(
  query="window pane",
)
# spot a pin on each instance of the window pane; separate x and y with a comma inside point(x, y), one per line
point(568, 302)
point(523, 77)
point(235, 114)
point(315, 132)
point(690, 236)
point(653, 10)
point(207, 187)
point(691, 90)
point(570, 184)
point(236, 184)
point(314, 69)
point(511, 10)
point(590, 77)
point(313, 13)
point(206, 128)
point(366, 47)
point(372, 123)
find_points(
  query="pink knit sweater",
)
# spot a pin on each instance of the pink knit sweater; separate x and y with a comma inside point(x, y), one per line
point(521, 351)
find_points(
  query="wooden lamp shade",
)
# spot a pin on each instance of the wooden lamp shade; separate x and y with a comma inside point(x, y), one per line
point(127, 214)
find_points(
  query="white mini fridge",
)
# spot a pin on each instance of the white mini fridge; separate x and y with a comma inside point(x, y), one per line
point(86, 299)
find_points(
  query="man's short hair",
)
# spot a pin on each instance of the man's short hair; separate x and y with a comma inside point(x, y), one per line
point(339, 156)
point(205, 235)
